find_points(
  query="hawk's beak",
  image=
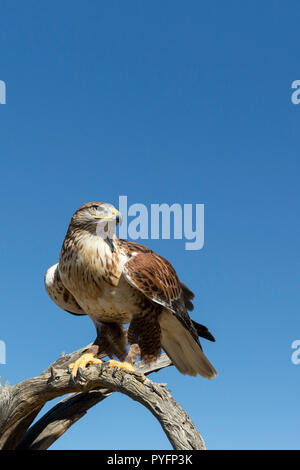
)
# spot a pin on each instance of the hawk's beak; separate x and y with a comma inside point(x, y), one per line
point(115, 214)
point(119, 218)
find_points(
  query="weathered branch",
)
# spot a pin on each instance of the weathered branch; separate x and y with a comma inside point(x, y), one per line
point(19, 404)
point(69, 410)
point(59, 419)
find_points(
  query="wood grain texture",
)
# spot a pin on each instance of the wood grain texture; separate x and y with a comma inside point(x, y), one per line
point(20, 403)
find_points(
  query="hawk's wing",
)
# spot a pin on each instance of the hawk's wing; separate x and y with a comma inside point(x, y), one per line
point(188, 296)
point(155, 277)
point(59, 294)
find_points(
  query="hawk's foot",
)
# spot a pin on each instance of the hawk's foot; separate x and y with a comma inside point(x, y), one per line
point(77, 367)
point(120, 365)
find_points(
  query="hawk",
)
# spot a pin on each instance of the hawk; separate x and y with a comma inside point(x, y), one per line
point(116, 282)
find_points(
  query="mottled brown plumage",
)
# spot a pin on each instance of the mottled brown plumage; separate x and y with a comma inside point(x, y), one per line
point(116, 282)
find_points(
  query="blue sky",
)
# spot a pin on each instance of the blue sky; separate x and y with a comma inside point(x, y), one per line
point(186, 102)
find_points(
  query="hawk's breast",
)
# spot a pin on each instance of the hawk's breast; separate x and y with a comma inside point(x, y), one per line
point(93, 274)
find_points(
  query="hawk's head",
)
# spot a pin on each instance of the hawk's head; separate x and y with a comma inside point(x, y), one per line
point(98, 217)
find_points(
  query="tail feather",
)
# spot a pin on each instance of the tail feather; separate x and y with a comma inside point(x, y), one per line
point(203, 332)
point(188, 296)
point(182, 348)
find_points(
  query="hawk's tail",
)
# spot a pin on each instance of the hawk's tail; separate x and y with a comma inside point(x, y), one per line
point(203, 332)
point(181, 347)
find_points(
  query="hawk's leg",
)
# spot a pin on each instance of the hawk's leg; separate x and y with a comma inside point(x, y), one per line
point(133, 353)
point(129, 361)
point(144, 332)
point(110, 341)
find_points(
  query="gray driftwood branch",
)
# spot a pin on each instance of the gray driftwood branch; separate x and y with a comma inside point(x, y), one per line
point(20, 404)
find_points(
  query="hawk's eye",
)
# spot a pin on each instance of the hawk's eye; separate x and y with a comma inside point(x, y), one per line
point(99, 209)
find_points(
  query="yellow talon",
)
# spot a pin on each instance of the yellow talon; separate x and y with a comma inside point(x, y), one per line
point(121, 365)
point(82, 362)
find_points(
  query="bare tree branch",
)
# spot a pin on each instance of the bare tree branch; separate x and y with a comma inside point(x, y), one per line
point(10, 439)
point(63, 415)
point(59, 419)
point(19, 404)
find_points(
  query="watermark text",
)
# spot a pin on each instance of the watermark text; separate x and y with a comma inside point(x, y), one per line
point(163, 221)
point(295, 358)
point(295, 97)
point(2, 352)
point(2, 92)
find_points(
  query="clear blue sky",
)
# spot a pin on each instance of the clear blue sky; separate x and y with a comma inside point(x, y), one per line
point(172, 101)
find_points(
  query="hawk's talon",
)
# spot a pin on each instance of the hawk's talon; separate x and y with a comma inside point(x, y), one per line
point(80, 373)
point(72, 379)
point(102, 366)
point(81, 363)
point(126, 366)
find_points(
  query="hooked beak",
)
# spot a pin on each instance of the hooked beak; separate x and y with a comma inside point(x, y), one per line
point(115, 216)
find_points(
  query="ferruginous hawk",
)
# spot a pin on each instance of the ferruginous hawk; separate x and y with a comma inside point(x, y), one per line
point(115, 282)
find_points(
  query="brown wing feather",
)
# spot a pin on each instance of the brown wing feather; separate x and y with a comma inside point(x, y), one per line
point(157, 279)
point(188, 296)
